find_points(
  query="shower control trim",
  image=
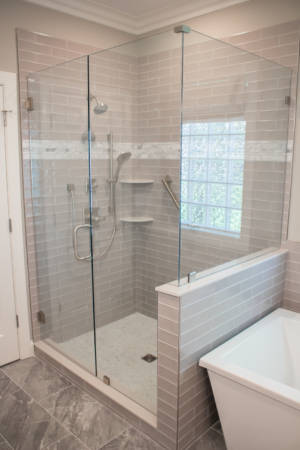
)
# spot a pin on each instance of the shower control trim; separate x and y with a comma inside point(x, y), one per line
point(90, 184)
point(70, 187)
point(92, 215)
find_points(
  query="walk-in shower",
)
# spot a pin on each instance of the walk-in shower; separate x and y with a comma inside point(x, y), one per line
point(181, 169)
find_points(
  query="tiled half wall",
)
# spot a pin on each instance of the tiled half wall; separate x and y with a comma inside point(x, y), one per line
point(197, 318)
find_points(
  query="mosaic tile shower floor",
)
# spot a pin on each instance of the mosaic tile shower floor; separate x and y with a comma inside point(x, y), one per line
point(120, 348)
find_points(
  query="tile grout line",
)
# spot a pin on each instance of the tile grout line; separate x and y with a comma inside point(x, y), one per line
point(54, 442)
point(203, 434)
point(6, 441)
point(220, 431)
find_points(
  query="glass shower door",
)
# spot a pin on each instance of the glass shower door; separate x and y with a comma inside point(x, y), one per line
point(112, 125)
point(135, 123)
point(57, 196)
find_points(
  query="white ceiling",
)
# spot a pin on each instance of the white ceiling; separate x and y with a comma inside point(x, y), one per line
point(136, 16)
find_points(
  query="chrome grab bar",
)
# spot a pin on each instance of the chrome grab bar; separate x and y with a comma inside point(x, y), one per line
point(166, 181)
point(75, 242)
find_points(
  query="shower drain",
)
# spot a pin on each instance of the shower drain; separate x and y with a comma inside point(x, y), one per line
point(149, 358)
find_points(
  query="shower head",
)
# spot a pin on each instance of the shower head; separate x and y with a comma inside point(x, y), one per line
point(100, 108)
point(121, 159)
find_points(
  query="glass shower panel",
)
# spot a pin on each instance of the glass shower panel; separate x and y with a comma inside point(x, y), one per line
point(57, 209)
point(135, 122)
point(235, 116)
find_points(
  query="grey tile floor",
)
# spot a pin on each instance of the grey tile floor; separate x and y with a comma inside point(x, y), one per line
point(41, 409)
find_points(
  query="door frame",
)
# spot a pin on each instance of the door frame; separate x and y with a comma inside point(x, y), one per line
point(16, 212)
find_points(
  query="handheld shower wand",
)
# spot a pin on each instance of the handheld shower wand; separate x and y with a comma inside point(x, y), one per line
point(113, 179)
point(121, 159)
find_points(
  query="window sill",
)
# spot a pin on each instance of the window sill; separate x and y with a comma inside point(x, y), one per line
point(212, 231)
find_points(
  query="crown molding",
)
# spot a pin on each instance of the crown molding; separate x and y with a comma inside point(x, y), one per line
point(112, 17)
point(90, 11)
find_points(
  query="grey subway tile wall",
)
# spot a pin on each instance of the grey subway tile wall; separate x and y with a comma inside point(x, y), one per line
point(168, 365)
point(292, 285)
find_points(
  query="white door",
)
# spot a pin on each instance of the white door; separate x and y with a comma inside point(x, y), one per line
point(9, 350)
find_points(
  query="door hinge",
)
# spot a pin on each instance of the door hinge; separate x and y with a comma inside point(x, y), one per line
point(106, 380)
point(29, 104)
point(41, 317)
point(4, 112)
point(191, 276)
point(10, 225)
point(17, 321)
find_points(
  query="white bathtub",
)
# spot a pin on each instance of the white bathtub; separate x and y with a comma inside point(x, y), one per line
point(255, 378)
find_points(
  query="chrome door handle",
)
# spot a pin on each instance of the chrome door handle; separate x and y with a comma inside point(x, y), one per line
point(75, 242)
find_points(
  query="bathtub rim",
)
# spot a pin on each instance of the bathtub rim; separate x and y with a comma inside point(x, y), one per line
point(214, 361)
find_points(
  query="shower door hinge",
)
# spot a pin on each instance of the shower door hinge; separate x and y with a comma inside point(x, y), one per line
point(17, 321)
point(287, 100)
point(10, 225)
point(106, 380)
point(191, 276)
point(41, 317)
point(4, 112)
point(29, 104)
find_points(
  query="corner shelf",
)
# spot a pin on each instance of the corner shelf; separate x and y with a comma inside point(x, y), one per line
point(136, 181)
point(138, 219)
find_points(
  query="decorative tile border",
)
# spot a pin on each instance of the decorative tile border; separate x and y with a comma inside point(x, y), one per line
point(70, 150)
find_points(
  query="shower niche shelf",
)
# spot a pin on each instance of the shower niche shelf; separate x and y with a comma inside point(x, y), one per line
point(136, 181)
point(137, 219)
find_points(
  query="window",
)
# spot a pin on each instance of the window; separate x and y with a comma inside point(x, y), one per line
point(212, 175)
